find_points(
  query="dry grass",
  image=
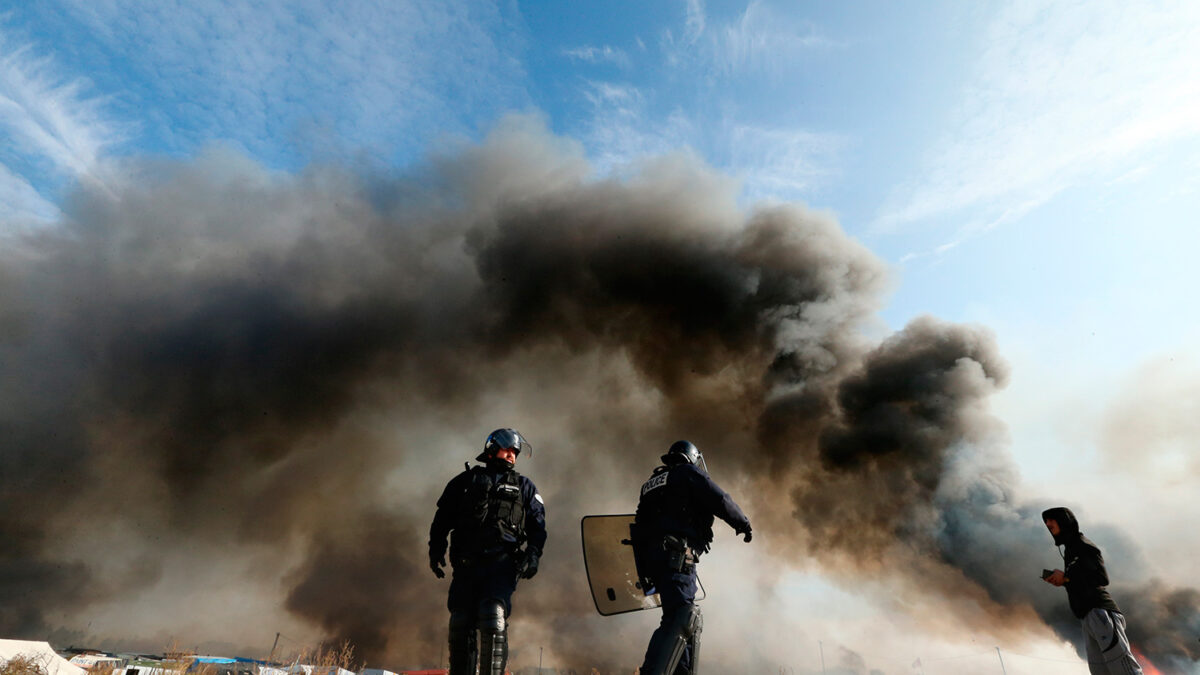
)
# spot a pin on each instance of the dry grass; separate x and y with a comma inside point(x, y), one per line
point(326, 659)
point(177, 661)
point(23, 665)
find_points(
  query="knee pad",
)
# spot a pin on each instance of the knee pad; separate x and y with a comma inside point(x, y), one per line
point(695, 626)
point(695, 621)
point(491, 617)
point(677, 632)
point(493, 638)
point(686, 621)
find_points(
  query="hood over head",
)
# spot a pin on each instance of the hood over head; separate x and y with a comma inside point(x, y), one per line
point(1068, 524)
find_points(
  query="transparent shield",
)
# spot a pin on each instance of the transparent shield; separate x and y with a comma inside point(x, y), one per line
point(611, 572)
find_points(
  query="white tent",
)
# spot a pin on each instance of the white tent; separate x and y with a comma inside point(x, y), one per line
point(41, 653)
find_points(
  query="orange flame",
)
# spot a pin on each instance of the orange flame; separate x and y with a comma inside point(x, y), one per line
point(1148, 668)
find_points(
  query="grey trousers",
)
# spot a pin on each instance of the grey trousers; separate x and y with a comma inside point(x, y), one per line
point(1108, 649)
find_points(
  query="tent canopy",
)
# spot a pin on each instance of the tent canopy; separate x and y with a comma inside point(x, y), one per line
point(41, 653)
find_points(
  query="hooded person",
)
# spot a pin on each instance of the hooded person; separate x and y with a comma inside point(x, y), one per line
point(672, 528)
point(1086, 579)
point(496, 521)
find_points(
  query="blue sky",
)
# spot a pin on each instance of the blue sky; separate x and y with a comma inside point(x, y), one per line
point(1033, 167)
point(922, 127)
point(1004, 157)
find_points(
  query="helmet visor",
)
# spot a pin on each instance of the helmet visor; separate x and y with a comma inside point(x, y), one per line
point(507, 438)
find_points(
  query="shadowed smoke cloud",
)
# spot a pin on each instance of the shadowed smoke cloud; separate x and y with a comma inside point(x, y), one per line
point(299, 363)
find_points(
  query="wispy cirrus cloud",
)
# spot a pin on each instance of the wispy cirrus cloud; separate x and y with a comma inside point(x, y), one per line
point(695, 21)
point(55, 130)
point(771, 162)
point(772, 158)
point(1061, 92)
point(620, 129)
point(285, 80)
point(764, 39)
point(761, 40)
point(605, 54)
point(782, 162)
point(49, 118)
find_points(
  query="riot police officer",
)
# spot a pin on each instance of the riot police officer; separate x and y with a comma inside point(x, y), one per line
point(673, 526)
point(497, 525)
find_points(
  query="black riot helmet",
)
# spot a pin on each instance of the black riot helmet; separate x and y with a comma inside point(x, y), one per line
point(682, 451)
point(504, 438)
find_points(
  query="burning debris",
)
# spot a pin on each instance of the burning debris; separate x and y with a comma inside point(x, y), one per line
point(295, 364)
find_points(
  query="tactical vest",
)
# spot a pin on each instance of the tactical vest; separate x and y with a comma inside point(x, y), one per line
point(667, 508)
point(492, 514)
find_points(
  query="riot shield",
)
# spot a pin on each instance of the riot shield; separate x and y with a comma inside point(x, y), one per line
point(611, 572)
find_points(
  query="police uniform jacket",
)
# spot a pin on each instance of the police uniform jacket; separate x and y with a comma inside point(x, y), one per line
point(683, 500)
point(467, 511)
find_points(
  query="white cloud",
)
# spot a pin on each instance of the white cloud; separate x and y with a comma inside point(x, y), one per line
point(782, 163)
point(765, 40)
point(605, 54)
point(760, 40)
point(1061, 92)
point(378, 75)
point(620, 131)
point(695, 21)
point(1002, 214)
point(48, 118)
point(601, 93)
point(771, 162)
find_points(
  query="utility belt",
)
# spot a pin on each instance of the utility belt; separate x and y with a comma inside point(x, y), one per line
point(680, 556)
point(480, 559)
point(476, 555)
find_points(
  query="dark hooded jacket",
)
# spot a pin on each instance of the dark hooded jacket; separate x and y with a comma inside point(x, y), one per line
point(1084, 568)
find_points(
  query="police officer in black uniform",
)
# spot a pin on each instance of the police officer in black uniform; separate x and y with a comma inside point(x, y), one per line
point(673, 526)
point(497, 526)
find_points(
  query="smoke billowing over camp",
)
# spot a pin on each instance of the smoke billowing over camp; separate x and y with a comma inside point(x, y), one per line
point(211, 362)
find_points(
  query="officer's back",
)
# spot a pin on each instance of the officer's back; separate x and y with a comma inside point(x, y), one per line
point(681, 499)
point(673, 526)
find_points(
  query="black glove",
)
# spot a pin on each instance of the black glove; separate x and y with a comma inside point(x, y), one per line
point(527, 566)
point(436, 562)
point(747, 535)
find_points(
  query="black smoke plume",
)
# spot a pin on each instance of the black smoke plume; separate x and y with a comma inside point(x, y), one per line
point(227, 361)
